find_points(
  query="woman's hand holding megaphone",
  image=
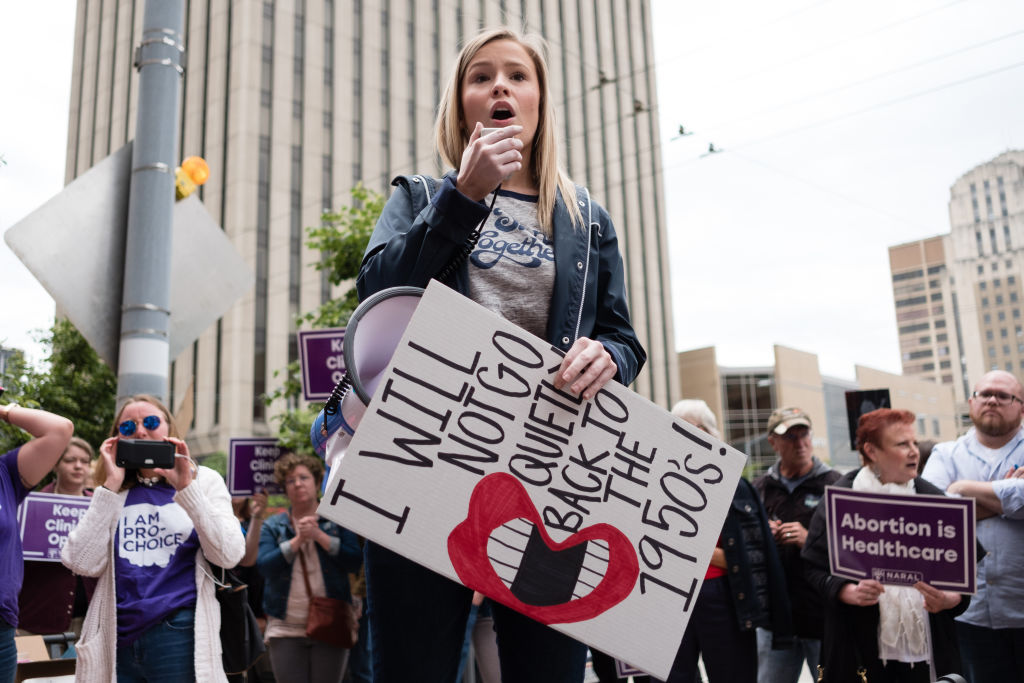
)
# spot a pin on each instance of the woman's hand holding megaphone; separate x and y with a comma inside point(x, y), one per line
point(586, 368)
point(489, 159)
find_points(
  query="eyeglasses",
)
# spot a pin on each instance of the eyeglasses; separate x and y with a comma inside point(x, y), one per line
point(1001, 398)
point(150, 422)
point(796, 435)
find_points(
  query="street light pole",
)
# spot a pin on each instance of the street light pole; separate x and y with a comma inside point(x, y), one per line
point(144, 351)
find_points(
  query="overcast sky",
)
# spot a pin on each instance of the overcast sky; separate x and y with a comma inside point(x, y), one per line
point(843, 124)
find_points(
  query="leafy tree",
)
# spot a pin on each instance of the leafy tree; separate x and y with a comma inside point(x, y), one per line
point(73, 382)
point(341, 239)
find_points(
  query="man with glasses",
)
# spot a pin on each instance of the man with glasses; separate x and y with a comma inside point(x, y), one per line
point(791, 490)
point(987, 464)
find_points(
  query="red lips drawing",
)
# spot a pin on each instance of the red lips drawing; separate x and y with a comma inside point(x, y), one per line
point(547, 581)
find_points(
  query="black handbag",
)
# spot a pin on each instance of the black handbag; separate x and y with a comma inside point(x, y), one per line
point(241, 640)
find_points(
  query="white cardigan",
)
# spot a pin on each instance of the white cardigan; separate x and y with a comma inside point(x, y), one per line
point(89, 551)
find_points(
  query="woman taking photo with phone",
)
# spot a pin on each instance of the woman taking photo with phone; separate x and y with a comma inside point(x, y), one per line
point(20, 469)
point(547, 260)
point(148, 536)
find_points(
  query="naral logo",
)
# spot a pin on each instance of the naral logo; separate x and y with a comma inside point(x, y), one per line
point(896, 576)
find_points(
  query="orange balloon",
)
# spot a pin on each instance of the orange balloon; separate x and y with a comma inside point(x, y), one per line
point(197, 169)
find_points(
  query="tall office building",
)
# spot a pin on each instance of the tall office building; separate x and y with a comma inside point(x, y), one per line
point(958, 296)
point(293, 102)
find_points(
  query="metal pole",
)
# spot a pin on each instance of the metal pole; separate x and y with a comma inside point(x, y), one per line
point(144, 352)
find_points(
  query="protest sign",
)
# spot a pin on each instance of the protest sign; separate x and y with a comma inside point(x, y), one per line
point(44, 522)
point(251, 466)
point(623, 670)
point(322, 360)
point(900, 540)
point(597, 517)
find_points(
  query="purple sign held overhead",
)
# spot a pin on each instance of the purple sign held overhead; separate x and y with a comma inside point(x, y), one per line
point(900, 540)
point(251, 466)
point(323, 362)
point(44, 522)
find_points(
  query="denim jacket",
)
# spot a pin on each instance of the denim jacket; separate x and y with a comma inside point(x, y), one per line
point(756, 580)
point(422, 229)
point(275, 561)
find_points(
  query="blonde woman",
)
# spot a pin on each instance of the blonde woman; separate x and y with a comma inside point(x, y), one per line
point(148, 536)
point(21, 469)
point(546, 259)
point(53, 599)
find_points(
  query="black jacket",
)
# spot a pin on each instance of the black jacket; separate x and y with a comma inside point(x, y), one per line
point(756, 579)
point(851, 633)
point(799, 506)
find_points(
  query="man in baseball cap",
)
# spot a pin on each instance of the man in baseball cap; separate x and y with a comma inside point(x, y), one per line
point(791, 490)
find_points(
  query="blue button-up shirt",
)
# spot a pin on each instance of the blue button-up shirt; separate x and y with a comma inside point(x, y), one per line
point(999, 602)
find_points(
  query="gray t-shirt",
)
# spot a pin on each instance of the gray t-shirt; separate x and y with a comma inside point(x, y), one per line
point(512, 267)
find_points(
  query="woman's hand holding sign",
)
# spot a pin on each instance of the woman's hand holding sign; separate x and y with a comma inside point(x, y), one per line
point(936, 600)
point(861, 594)
point(587, 367)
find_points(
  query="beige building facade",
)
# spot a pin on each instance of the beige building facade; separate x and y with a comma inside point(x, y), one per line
point(743, 398)
point(294, 102)
point(959, 300)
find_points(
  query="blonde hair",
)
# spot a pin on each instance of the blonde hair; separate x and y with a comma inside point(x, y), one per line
point(79, 442)
point(453, 136)
point(99, 469)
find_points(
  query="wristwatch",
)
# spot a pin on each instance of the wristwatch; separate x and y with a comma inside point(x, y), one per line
point(7, 413)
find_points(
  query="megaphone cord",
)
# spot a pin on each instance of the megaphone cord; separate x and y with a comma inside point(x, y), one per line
point(470, 244)
point(337, 394)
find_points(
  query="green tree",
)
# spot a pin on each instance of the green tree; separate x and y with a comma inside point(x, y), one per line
point(341, 239)
point(72, 382)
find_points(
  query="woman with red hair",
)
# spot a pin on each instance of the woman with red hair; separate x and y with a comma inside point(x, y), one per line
point(890, 633)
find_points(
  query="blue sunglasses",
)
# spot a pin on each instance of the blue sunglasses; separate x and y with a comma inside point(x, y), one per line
point(150, 422)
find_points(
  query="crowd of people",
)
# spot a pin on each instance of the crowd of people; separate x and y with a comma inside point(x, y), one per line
point(768, 605)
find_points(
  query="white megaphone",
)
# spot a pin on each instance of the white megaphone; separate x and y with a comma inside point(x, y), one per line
point(371, 338)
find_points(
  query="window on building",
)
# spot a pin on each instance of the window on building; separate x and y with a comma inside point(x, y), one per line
point(999, 299)
point(944, 365)
point(1006, 232)
point(992, 354)
point(920, 425)
point(1002, 315)
point(1013, 297)
point(940, 323)
point(987, 318)
point(1006, 350)
point(935, 427)
point(997, 282)
point(981, 269)
point(984, 301)
point(983, 285)
point(941, 337)
point(988, 335)
point(911, 301)
point(1003, 333)
point(908, 275)
point(1016, 313)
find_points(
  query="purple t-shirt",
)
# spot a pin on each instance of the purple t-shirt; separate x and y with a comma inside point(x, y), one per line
point(12, 492)
point(154, 560)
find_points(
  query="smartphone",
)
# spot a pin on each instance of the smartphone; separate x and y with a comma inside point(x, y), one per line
point(135, 454)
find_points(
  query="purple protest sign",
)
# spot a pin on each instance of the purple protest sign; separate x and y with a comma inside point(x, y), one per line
point(251, 466)
point(900, 540)
point(322, 360)
point(44, 522)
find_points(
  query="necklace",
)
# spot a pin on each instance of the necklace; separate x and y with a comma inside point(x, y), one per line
point(149, 481)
